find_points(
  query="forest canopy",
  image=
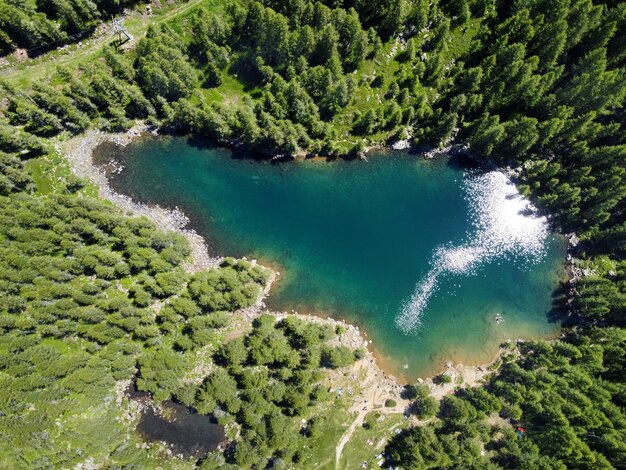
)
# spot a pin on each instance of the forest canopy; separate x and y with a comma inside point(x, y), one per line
point(534, 86)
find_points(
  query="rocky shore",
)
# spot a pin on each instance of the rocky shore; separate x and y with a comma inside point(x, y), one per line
point(78, 151)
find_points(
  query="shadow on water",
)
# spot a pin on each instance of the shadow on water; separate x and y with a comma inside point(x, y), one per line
point(459, 161)
point(560, 311)
point(236, 153)
point(184, 430)
point(247, 153)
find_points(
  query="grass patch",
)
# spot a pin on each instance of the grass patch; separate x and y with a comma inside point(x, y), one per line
point(461, 37)
point(367, 443)
point(51, 173)
point(335, 418)
point(230, 91)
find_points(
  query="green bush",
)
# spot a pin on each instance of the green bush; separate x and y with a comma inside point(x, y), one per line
point(340, 356)
point(445, 379)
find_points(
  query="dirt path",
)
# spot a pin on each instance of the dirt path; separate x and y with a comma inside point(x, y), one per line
point(44, 66)
point(377, 387)
point(347, 435)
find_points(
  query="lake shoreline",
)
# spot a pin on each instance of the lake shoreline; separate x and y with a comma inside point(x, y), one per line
point(79, 151)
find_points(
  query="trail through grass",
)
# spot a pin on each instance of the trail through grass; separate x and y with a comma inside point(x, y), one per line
point(136, 23)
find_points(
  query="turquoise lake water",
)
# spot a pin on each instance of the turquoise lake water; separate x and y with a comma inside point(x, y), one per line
point(421, 254)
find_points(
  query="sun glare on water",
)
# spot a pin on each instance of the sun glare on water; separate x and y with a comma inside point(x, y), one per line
point(505, 226)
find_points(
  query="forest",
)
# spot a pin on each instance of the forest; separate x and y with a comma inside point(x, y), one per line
point(533, 86)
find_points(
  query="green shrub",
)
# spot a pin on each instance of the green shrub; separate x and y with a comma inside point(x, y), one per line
point(340, 356)
point(445, 378)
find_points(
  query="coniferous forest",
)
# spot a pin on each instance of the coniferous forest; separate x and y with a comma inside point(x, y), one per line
point(90, 297)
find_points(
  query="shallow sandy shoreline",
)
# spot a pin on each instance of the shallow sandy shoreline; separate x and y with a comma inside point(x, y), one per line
point(78, 151)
